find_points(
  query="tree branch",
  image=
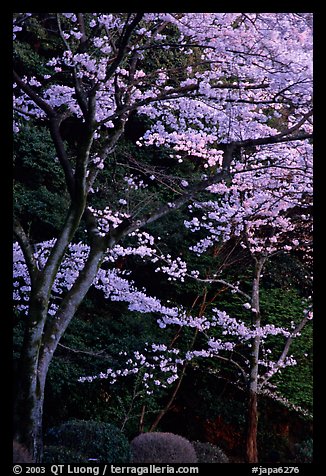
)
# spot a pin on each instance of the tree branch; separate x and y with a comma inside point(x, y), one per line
point(34, 96)
point(55, 328)
point(174, 94)
point(123, 45)
point(26, 248)
point(281, 137)
point(285, 352)
point(221, 281)
point(80, 94)
point(55, 122)
point(81, 23)
point(233, 362)
point(171, 399)
point(99, 354)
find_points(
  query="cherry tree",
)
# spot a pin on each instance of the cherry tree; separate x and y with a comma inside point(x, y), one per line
point(260, 209)
point(244, 83)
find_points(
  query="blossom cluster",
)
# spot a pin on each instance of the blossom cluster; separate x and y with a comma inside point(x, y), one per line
point(244, 85)
point(257, 205)
point(157, 364)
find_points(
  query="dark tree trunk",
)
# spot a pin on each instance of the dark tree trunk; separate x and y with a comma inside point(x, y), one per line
point(28, 407)
point(29, 391)
point(251, 443)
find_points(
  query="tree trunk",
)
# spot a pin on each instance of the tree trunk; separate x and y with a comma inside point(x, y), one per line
point(28, 410)
point(29, 390)
point(41, 338)
point(251, 443)
point(252, 415)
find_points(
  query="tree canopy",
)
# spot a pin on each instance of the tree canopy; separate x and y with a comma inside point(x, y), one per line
point(178, 145)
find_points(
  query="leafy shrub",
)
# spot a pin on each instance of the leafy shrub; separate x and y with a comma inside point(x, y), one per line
point(60, 454)
point(101, 441)
point(208, 453)
point(162, 448)
point(304, 451)
point(20, 454)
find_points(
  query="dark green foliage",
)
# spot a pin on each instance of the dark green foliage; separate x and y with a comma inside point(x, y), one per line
point(62, 455)
point(92, 343)
point(287, 271)
point(35, 44)
point(208, 391)
point(39, 199)
point(208, 453)
point(281, 432)
point(20, 453)
point(171, 59)
point(164, 448)
point(272, 448)
point(101, 441)
point(304, 451)
point(281, 307)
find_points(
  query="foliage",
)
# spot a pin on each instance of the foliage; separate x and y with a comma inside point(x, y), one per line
point(281, 432)
point(39, 198)
point(99, 440)
point(209, 392)
point(162, 448)
point(91, 341)
point(272, 447)
point(304, 451)
point(281, 305)
point(208, 453)
point(61, 454)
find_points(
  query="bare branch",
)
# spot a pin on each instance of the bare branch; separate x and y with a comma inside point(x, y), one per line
point(55, 122)
point(26, 248)
point(123, 44)
point(233, 362)
point(285, 351)
point(221, 281)
point(80, 94)
point(99, 354)
point(171, 399)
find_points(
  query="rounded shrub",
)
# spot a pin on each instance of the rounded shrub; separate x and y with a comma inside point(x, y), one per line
point(20, 454)
point(162, 448)
point(208, 453)
point(100, 441)
point(61, 454)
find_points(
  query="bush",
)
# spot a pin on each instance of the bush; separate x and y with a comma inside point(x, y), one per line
point(162, 448)
point(20, 454)
point(97, 440)
point(60, 454)
point(304, 451)
point(208, 453)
